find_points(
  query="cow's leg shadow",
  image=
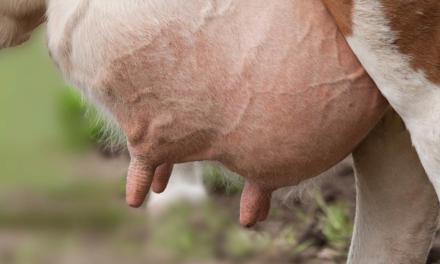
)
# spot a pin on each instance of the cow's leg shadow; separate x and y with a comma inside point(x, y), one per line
point(397, 208)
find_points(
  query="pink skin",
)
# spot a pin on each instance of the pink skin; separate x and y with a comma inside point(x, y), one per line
point(268, 88)
point(162, 175)
point(255, 204)
point(281, 110)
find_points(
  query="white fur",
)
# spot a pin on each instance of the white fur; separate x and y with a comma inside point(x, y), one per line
point(145, 18)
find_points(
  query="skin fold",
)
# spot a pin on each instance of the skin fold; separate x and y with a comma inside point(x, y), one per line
point(268, 88)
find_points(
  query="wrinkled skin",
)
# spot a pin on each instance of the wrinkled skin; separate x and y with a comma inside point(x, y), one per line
point(275, 100)
point(268, 88)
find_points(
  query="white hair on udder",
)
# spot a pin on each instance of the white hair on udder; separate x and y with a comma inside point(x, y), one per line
point(111, 135)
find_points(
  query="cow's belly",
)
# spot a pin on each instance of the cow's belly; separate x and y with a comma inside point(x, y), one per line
point(270, 89)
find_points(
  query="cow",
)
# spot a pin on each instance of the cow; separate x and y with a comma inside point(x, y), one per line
point(270, 89)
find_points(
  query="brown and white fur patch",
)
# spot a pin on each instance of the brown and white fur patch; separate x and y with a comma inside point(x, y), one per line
point(398, 44)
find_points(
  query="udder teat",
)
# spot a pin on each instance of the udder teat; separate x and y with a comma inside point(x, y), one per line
point(255, 204)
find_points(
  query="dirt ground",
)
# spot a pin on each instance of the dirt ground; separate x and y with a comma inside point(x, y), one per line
point(88, 222)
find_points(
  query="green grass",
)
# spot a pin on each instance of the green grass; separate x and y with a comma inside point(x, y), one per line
point(335, 223)
point(30, 135)
point(42, 121)
point(43, 132)
point(217, 181)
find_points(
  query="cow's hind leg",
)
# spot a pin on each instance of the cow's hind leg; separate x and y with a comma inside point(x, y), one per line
point(397, 209)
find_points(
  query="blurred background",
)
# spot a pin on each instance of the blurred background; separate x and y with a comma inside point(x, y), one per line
point(62, 192)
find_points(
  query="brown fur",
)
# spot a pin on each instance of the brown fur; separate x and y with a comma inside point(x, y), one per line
point(17, 24)
point(417, 24)
point(30, 21)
